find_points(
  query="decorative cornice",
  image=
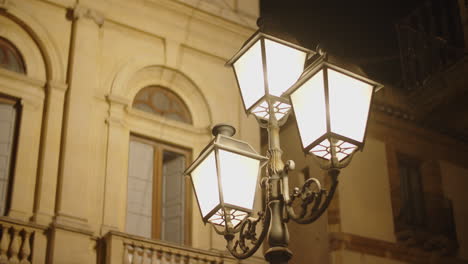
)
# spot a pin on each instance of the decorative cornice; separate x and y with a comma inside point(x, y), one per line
point(81, 11)
point(393, 111)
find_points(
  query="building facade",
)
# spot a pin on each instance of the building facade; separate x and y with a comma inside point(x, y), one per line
point(102, 104)
point(402, 199)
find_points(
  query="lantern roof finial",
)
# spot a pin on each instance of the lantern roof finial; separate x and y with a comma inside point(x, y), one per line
point(223, 129)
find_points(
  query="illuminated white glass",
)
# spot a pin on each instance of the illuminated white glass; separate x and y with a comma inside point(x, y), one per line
point(236, 217)
point(349, 101)
point(309, 107)
point(284, 66)
point(249, 72)
point(342, 149)
point(205, 181)
point(238, 175)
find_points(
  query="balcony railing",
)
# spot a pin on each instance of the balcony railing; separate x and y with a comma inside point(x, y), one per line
point(21, 243)
point(127, 249)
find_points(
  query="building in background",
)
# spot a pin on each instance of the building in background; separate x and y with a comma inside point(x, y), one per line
point(102, 105)
point(403, 199)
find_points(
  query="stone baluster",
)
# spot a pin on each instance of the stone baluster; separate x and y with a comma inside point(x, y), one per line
point(154, 256)
point(127, 255)
point(15, 246)
point(147, 254)
point(167, 257)
point(137, 255)
point(25, 248)
point(177, 258)
point(193, 260)
point(4, 243)
point(186, 259)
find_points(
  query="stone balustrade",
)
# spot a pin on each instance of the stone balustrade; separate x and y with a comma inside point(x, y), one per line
point(17, 241)
point(127, 249)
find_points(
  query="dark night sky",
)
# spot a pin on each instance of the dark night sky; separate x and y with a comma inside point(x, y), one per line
point(360, 30)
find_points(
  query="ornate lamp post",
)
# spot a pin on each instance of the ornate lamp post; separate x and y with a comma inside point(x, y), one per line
point(331, 104)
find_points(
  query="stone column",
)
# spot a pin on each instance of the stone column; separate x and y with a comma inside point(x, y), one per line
point(76, 159)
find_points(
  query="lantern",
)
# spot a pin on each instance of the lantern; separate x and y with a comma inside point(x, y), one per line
point(224, 177)
point(331, 104)
point(265, 67)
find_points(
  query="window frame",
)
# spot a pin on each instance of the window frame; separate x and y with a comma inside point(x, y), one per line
point(173, 98)
point(16, 104)
point(158, 148)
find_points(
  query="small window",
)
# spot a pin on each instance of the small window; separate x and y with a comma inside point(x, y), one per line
point(9, 110)
point(412, 213)
point(156, 198)
point(161, 101)
point(10, 57)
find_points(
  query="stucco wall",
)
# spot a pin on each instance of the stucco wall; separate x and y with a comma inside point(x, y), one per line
point(454, 183)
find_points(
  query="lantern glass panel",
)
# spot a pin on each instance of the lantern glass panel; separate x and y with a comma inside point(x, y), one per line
point(249, 72)
point(349, 101)
point(284, 66)
point(236, 217)
point(238, 175)
point(309, 107)
point(205, 182)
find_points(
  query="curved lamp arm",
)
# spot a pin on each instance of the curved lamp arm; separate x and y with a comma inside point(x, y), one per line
point(247, 242)
point(239, 249)
point(312, 206)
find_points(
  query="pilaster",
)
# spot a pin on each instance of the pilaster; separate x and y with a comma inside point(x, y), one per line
point(115, 193)
point(46, 185)
point(76, 162)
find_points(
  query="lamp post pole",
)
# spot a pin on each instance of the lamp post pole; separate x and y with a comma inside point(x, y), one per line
point(278, 235)
point(325, 97)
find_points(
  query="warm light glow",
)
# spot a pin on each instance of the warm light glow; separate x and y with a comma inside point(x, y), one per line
point(238, 175)
point(205, 181)
point(249, 72)
point(309, 108)
point(236, 217)
point(280, 109)
point(284, 66)
point(349, 105)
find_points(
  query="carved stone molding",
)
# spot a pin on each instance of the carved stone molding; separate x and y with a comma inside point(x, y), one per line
point(81, 11)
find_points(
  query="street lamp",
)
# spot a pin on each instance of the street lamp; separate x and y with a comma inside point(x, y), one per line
point(331, 104)
point(265, 67)
point(224, 167)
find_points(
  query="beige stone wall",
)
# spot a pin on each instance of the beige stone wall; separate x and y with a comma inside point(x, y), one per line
point(84, 65)
point(364, 201)
point(454, 182)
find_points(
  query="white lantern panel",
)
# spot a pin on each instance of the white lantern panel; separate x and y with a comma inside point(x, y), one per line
point(238, 175)
point(236, 217)
point(249, 72)
point(205, 181)
point(309, 107)
point(284, 66)
point(349, 100)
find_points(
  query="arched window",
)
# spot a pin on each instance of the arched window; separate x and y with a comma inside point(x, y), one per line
point(161, 101)
point(10, 57)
